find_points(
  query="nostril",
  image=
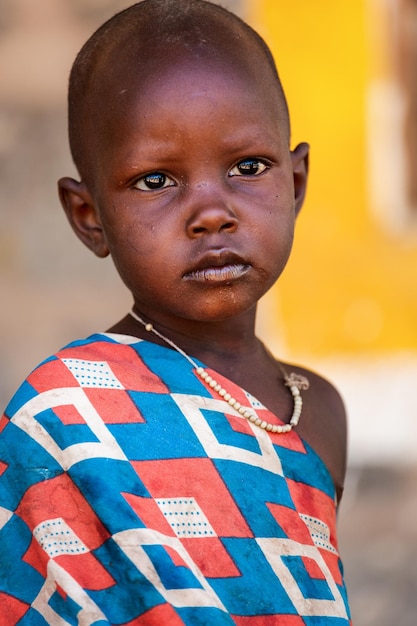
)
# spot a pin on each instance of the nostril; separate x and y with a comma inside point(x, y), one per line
point(198, 230)
point(228, 226)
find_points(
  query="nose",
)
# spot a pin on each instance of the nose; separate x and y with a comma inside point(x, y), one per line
point(211, 213)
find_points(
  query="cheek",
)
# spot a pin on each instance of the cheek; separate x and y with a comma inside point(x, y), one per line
point(141, 262)
point(278, 238)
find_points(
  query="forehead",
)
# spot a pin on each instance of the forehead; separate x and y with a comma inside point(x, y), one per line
point(182, 99)
point(174, 72)
point(176, 78)
point(183, 96)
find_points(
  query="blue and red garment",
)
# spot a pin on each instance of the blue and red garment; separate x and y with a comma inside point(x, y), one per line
point(131, 494)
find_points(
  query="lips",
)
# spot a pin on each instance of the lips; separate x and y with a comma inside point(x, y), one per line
point(226, 273)
point(221, 267)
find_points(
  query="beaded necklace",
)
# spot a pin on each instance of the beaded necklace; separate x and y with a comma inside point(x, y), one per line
point(295, 382)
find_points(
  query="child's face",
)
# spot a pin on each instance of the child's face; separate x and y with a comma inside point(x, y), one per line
point(193, 187)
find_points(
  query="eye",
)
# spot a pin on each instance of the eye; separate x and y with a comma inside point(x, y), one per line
point(154, 180)
point(248, 167)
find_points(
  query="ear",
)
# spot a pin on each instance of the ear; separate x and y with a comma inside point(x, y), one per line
point(299, 158)
point(82, 215)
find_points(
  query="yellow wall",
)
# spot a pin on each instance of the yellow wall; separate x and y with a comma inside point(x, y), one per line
point(350, 284)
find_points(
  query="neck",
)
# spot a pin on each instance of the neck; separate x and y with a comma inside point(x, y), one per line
point(227, 340)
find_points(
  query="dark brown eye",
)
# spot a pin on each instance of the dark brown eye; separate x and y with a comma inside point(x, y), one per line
point(248, 167)
point(154, 180)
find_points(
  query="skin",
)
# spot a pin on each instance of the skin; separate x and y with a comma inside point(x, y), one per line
point(194, 192)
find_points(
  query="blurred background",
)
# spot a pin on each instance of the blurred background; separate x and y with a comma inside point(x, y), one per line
point(347, 303)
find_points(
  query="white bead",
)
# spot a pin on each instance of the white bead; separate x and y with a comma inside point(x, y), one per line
point(253, 418)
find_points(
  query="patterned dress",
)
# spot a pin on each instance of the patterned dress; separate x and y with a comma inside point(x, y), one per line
point(131, 494)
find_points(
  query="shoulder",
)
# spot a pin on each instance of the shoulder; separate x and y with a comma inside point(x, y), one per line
point(323, 424)
point(323, 394)
point(66, 369)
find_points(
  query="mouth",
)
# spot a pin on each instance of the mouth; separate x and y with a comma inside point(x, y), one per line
point(218, 268)
point(225, 273)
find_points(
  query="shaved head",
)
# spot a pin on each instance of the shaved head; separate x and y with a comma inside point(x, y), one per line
point(134, 43)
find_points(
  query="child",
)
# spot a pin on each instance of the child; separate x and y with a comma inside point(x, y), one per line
point(143, 479)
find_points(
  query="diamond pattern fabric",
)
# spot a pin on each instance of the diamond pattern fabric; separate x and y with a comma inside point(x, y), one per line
point(131, 495)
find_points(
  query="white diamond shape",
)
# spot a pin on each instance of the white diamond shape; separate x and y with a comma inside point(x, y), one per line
point(95, 374)
point(319, 531)
point(57, 538)
point(185, 517)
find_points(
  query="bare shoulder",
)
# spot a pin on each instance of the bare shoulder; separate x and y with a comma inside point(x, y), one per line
point(323, 423)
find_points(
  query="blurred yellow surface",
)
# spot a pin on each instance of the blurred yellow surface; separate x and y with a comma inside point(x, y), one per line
point(351, 282)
